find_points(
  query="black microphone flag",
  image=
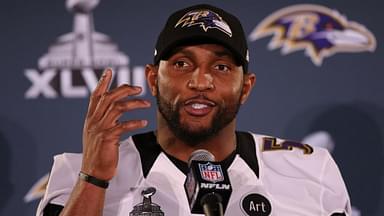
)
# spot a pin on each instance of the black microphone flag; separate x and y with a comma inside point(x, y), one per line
point(206, 183)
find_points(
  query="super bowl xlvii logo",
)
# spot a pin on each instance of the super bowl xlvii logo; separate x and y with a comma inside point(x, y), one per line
point(74, 63)
point(147, 207)
point(318, 30)
point(211, 172)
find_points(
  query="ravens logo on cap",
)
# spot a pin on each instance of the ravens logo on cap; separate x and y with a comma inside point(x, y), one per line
point(206, 19)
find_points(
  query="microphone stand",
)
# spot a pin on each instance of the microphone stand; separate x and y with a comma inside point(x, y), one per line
point(211, 203)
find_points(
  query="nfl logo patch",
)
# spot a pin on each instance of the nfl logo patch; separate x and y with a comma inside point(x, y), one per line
point(211, 172)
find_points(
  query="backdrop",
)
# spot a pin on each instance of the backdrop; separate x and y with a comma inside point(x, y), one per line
point(327, 91)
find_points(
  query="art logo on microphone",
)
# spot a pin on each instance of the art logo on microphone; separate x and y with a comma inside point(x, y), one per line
point(211, 172)
point(74, 63)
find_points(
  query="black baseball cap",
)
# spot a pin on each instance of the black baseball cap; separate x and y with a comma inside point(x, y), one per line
point(203, 24)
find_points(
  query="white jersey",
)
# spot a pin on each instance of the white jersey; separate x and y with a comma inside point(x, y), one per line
point(269, 176)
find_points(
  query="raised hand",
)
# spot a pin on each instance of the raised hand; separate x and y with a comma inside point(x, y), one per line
point(102, 128)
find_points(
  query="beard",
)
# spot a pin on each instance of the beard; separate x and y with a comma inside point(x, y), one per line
point(171, 113)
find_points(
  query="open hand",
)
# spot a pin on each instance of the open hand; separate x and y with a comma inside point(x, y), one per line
point(102, 128)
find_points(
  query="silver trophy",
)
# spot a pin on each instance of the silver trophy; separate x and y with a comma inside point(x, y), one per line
point(84, 47)
point(147, 207)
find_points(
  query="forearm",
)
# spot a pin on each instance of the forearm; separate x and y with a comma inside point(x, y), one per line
point(86, 199)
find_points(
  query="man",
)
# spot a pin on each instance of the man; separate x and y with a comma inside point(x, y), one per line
point(200, 79)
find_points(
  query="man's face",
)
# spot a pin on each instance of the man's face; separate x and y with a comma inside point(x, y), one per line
point(199, 91)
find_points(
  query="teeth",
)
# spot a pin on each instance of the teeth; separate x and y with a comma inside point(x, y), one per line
point(199, 106)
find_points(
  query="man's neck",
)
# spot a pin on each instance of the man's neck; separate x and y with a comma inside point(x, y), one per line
point(221, 145)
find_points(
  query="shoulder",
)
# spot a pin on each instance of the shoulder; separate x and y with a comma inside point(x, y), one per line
point(291, 158)
point(133, 152)
point(302, 165)
point(66, 166)
point(62, 178)
point(65, 169)
point(274, 146)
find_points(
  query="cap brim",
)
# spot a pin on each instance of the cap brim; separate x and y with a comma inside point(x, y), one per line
point(195, 39)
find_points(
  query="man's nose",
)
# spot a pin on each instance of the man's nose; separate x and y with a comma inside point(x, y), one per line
point(201, 80)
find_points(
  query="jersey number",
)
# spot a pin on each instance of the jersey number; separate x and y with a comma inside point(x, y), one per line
point(270, 144)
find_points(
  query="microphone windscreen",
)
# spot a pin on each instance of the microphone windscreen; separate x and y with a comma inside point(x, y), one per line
point(201, 155)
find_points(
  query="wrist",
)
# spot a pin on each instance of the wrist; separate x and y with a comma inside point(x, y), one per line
point(93, 180)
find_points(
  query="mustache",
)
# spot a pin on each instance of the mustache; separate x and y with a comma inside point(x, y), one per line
point(202, 98)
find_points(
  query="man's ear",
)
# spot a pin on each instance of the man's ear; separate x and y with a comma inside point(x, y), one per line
point(248, 83)
point(151, 75)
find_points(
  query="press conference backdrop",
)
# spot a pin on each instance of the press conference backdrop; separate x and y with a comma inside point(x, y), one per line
point(321, 81)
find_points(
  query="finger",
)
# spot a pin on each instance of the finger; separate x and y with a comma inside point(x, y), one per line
point(108, 98)
point(100, 89)
point(123, 91)
point(127, 126)
point(118, 108)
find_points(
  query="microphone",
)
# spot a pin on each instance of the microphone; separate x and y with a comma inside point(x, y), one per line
point(207, 185)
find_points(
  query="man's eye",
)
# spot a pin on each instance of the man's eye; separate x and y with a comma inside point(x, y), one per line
point(222, 68)
point(180, 64)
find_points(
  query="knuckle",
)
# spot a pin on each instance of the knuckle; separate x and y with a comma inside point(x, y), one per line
point(137, 103)
point(92, 127)
point(105, 97)
point(127, 105)
point(94, 96)
point(130, 88)
point(133, 124)
point(132, 105)
point(117, 106)
point(104, 136)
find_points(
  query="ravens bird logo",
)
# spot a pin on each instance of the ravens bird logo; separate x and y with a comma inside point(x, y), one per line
point(206, 19)
point(318, 30)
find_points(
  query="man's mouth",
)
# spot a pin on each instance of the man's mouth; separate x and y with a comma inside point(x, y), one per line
point(199, 107)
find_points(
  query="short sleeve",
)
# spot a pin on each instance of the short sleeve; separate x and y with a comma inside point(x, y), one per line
point(63, 177)
point(334, 196)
